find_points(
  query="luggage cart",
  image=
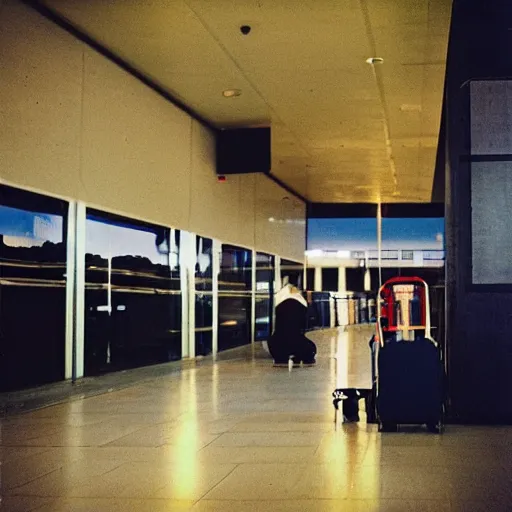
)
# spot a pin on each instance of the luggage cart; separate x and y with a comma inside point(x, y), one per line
point(407, 367)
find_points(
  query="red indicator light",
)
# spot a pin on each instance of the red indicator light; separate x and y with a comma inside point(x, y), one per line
point(221, 178)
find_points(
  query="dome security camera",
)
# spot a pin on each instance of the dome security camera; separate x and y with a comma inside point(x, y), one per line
point(245, 29)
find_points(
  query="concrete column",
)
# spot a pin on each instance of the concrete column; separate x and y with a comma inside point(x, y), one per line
point(342, 280)
point(418, 258)
point(278, 283)
point(318, 279)
point(75, 293)
point(367, 280)
point(70, 292)
point(187, 266)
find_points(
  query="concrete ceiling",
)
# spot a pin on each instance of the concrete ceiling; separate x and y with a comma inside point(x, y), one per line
point(343, 130)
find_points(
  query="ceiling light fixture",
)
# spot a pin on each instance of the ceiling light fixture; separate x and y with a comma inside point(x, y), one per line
point(374, 60)
point(231, 93)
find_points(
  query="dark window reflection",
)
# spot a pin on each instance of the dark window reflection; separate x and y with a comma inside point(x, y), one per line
point(265, 275)
point(319, 310)
point(32, 289)
point(310, 278)
point(355, 279)
point(132, 294)
point(235, 283)
point(292, 273)
point(330, 279)
point(203, 296)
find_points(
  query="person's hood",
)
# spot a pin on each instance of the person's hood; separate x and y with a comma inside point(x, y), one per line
point(286, 293)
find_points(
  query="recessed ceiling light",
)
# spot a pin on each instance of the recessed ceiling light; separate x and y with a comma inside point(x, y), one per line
point(231, 93)
point(374, 60)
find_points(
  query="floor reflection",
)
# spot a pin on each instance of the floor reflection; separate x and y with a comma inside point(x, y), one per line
point(349, 350)
point(240, 435)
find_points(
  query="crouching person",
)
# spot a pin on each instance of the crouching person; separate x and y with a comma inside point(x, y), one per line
point(288, 339)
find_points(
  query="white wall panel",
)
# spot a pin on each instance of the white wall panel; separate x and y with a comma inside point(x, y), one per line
point(40, 91)
point(247, 209)
point(136, 146)
point(73, 124)
point(280, 220)
point(214, 206)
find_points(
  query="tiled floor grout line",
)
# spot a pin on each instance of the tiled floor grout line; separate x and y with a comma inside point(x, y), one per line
point(218, 483)
point(34, 480)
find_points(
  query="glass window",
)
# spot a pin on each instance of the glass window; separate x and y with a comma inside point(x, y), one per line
point(413, 234)
point(330, 279)
point(355, 279)
point(414, 242)
point(235, 289)
point(132, 294)
point(310, 279)
point(265, 275)
point(204, 295)
point(355, 234)
point(32, 288)
point(292, 273)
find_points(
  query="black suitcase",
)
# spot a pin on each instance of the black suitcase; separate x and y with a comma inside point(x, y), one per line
point(410, 384)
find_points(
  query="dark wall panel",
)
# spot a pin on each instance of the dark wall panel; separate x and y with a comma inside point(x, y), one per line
point(292, 272)
point(479, 355)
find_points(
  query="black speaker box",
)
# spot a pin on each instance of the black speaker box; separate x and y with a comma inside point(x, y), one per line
point(243, 150)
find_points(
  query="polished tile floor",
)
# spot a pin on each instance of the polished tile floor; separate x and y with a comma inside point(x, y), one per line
point(240, 435)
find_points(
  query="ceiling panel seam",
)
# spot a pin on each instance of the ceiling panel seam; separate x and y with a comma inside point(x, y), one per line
point(380, 86)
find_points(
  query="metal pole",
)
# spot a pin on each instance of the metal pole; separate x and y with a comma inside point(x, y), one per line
point(379, 241)
point(253, 296)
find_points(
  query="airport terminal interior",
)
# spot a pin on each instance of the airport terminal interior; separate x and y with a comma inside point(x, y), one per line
point(254, 255)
